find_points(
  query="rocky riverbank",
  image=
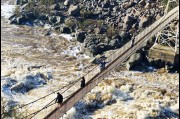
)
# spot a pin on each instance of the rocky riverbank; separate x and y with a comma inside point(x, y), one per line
point(34, 64)
point(101, 25)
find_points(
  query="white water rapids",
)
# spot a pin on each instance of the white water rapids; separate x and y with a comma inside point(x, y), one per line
point(58, 60)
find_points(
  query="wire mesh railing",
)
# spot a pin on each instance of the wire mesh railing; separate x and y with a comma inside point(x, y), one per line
point(95, 76)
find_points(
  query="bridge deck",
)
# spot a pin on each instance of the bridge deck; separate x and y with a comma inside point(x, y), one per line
point(95, 76)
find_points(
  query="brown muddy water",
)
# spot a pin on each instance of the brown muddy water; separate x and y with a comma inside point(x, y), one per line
point(122, 95)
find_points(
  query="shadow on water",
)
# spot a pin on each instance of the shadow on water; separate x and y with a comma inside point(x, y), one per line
point(146, 67)
point(166, 114)
point(85, 110)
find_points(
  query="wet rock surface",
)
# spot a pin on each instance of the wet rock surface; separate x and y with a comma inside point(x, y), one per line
point(100, 17)
point(34, 64)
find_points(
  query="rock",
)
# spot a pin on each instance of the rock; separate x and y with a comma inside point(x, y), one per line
point(74, 10)
point(125, 36)
point(95, 47)
point(24, 7)
point(158, 16)
point(21, 2)
point(128, 22)
point(58, 7)
point(127, 5)
point(91, 39)
point(105, 4)
point(58, 13)
point(65, 29)
point(129, 19)
point(18, 2)
point(92, 48)
point(18, 87)
point(43, 17)
point(67, 2)
point(36, 22)
point(100, 30)
point(101, 48)
point(21, 20)
point(55, 19)
point(13, 20)
point(148, 5)
point(30, 16)
point(80, 36)
point(145, 21)
point(115, 43)
point(133, 61)
point(142, 2)
point(98, 11)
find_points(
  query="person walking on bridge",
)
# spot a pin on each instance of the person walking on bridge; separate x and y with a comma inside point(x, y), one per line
point(102, 63)
point(59, 99)
point(83, 82)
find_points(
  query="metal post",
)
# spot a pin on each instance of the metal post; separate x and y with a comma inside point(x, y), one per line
point(26, 113)
point(177, 37)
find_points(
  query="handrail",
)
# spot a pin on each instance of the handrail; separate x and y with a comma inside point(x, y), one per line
point(94, 77)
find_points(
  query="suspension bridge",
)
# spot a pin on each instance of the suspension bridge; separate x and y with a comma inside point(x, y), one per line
point(95, 76)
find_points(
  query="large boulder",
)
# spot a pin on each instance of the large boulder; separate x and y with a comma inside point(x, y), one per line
point(21, 20)
point(90, 40)
point(64, 29)
point(55, 19)
point(105, 4)
point(115, 43)
point(142, 2)
point(74, 10)
point(67, 2)
point(13, 19)
point(125, 36)
point(21, 2)
point(98, 49)
point(146, 21)
point(30, 15)
point(100, 30)
point(57, 7)
point(127, 5)
point(19, 87)
point(128, 22)
point(80, 36)
point(133, 61)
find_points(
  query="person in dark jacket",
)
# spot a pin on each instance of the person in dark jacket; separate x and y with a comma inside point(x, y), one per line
point(59, 99)
point(132, 42)
point(102, 63)
point(83, 82)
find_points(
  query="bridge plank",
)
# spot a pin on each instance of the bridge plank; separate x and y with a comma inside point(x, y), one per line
point(118, 57)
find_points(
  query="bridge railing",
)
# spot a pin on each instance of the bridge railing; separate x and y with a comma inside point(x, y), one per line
point(94, 77)
point(147, 30)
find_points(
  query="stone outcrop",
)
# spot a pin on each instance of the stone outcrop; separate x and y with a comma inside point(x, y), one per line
point(102, 18)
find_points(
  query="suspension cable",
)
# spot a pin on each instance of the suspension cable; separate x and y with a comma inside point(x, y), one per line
point(46, 106)
point(39, 98)
point(62, 87)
